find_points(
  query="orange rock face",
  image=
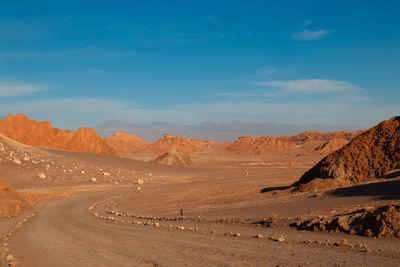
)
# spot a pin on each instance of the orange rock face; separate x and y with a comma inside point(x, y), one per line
point(41, 134)
point(126, 143)
point(259, 145)
point(169, 142)
point(369, 155)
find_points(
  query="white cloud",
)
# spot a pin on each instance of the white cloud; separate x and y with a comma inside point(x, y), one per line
point(307, 22)
point(310, 86)
point(307, 35)
point(8, 89)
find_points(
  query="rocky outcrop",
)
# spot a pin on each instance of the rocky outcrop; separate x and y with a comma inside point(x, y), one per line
point(41, 134)
point(382, 221)
point(259, 145)
point(11, 201)
point(168, 143)
point(124, 143)
point(175, 158)
point(369, 155)
point(266, 144)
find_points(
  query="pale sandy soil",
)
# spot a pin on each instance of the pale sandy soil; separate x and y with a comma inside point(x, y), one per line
point(230, 192)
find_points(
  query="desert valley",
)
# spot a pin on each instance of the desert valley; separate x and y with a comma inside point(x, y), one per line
point(73, 198)
point(199, 133)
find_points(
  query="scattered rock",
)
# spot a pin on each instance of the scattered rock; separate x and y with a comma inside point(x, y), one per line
point(271, 221)
point(277, 239)
point(139, 181)
point(106, 174)
point(10, 258)
point(383, 221)
point(258, 236)
point(17, 161)
point(41, 176)
point(93, 179)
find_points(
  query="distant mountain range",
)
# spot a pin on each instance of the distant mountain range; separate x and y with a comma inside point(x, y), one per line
point(220, 132)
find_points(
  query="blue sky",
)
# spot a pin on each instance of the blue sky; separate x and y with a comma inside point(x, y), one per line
point(81, 63)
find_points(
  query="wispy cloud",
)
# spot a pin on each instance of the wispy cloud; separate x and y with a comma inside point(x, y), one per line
point(307, 22)
point(308, 35)
point(76, 112)
point(266, 70)
point(97, 51)
point(9, 89)
point(310, 86)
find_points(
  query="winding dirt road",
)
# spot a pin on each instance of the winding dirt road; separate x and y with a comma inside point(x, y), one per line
point(64, 233)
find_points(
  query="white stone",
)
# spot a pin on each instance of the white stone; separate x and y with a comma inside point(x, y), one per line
point(42, 176)
point(17, 161)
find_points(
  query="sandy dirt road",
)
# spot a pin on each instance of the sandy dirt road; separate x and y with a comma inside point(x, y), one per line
point(64, 233)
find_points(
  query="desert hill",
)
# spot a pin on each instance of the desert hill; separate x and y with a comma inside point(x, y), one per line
point(169, 142)
point(369, 155)
point(259, 145)
point(25, 167)
point(175, 158)
point(124, 143)
point(265, 144)
point(331, 145)
point(42, 134)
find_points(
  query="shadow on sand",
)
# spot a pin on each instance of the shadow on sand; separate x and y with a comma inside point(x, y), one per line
point(387, 190)
point(395, 174)
point(274, 188)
